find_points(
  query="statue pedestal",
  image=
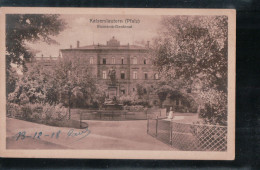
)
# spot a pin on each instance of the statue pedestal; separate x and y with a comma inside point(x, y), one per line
point(112, 92)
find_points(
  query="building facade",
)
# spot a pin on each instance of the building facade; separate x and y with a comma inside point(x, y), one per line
point(119, 67)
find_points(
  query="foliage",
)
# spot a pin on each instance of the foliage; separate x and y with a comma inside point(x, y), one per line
point(128, 99)
point(31, 87)
point(140, 90)
point(24, 28)
point(135, 108)
point(76, 84)
point(38, 112)
point(192, 51)
point(163, 92)
point(215, 110)
point(68, 82)
point(12, 78)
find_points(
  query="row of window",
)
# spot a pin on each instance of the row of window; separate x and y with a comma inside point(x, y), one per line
point(104, 61)
point(122, 75)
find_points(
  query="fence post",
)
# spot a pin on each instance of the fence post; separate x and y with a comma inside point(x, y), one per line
point(156, 126)
point(147, 126)
point(171, 132)
point(80, 118)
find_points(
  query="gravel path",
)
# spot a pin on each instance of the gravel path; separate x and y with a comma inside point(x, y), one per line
point(105, 135)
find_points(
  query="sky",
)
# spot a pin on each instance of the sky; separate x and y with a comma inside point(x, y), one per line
point(81, 29)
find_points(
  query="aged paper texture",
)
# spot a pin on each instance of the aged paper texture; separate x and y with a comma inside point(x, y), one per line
point(118, 83)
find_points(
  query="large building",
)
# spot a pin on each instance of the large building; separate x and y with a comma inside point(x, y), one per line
point(119, 67)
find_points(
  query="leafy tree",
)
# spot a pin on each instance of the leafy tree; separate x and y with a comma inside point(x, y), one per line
point(31, 87)
point(12, 80)
point(192, 50)
point(163, 92)
point(76, 84)
point(23, 28)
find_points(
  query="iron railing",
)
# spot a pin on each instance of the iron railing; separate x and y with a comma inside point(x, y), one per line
point(188, 137)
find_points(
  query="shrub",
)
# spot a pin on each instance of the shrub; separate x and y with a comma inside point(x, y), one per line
point(141, 102)
point(38, 112)
point(26, 112)
point(136, 108)
point(13, 110)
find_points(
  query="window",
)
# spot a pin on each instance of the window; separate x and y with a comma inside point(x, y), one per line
point(156, 76)
point(135, 60)
point(104, 61)
point(135, 75)
point(144, 61)
point(123, 91)
point(113, 60)
point(145, 91)
point(122, 75)
point(133, 89)
point(145, 76)
point(122, 60)
point(104, 75)
point(91, 61)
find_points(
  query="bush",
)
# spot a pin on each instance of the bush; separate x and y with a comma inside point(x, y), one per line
point(38, 112)
point(215, 110)
point(128, 100)
point(136, 108)
point(141, 102)
point(13, 110)
point(212, 114)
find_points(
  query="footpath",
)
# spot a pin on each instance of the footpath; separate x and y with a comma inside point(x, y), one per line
point(100, 135)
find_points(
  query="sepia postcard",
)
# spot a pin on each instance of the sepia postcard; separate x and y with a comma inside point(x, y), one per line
point(117, 83)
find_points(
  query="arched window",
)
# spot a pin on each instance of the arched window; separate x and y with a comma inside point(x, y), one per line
point(145, 61)
point(156, 76)
point(122, 60)
point(135, 60)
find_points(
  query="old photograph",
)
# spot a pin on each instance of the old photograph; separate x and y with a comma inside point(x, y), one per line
point(97, 84)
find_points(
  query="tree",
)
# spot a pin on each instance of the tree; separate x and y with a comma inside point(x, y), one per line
point(12, 80)
point(193, 51)
point(31, 86)
point(75, 82)
point(23, 28)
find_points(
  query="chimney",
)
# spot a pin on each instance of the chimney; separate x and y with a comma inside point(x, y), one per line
point(77, 44)
point(70, 46)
